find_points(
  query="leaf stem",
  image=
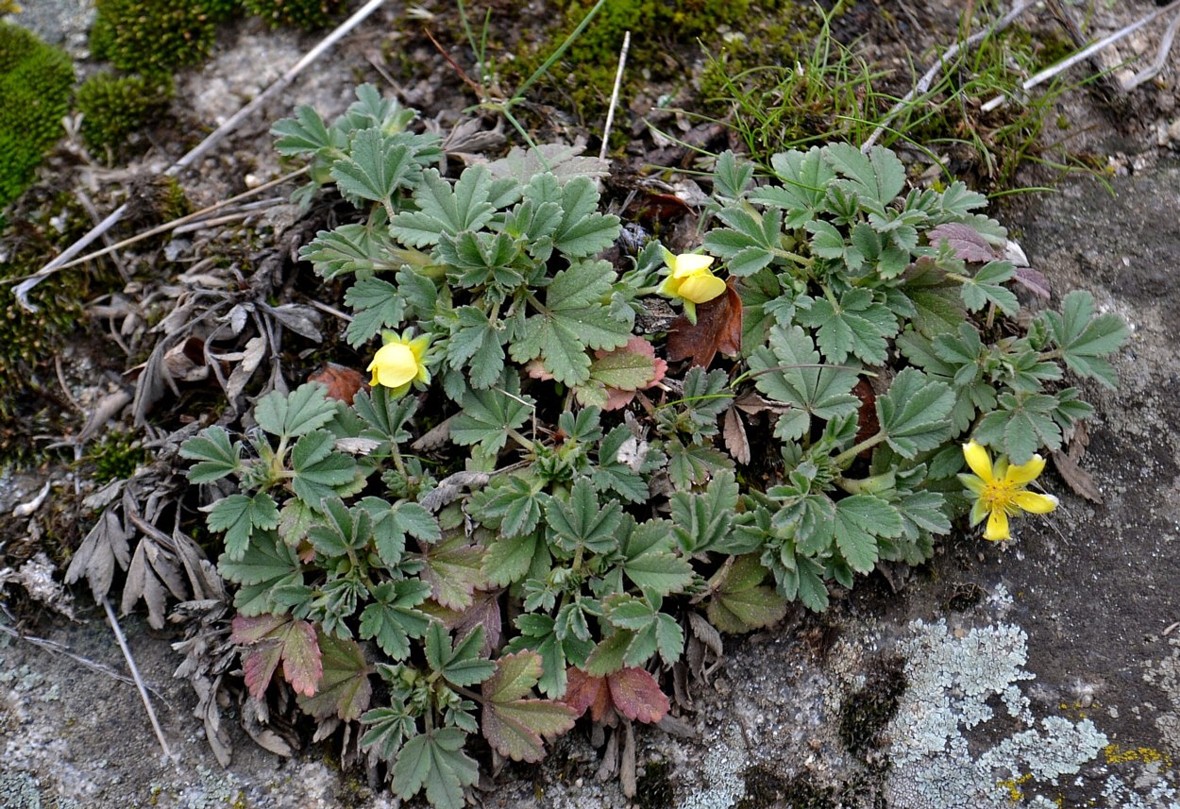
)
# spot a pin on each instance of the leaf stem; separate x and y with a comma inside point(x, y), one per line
point(847, 455)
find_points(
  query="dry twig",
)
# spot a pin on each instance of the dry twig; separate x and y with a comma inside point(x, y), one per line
point(928, 77)
point(614, 95)
point(139, 684)
point(24, 287)
point(1065, 64)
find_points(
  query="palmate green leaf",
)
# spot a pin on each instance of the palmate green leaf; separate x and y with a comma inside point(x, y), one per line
point(618, 465)
point(386, 416)
point(319, 471)
point(239, 515)
point(377, 166)
point(856, 325)
point(512, 505)
point(650, 561)
point(482, 260)
point(732, 176)
point(452, 568)
point(858, 521)
point(1083, 339)
point(828, 242)
point(703, 521)
point(576, 316)
point(805, 177)
point(388, 729)
point(267, 564)
point(1023, 424)
point(984, 288)
point(913, 413)
point(307, 408)
point(510, 558)
point(789, 371)
point(391, 618)
point(797, 576)
point(876, 178)
point(513, 724)
point(306, 133)
point(342, 530)
point(352, 248)
point(216, 456)
point(344, 690)
point(581, 522)
point(691, 464)
point(460, 664)
point(393, 523)
point(487, 416)
point(435, 760)
point(475, 343)
point(740, 602)
point(583, 231)
point(450, 211)
point(923, 512)
point(376, 304)
point(749, 241)
point(652, 630)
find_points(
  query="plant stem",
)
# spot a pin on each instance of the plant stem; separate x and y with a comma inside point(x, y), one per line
point(848, 454)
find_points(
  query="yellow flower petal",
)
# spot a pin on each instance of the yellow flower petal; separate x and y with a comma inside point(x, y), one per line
point(701, 287)
point(1026, 472)
point(979, 461)
point(690, 264)
point(1034, 503)
point(997, 526)
point(394, 365)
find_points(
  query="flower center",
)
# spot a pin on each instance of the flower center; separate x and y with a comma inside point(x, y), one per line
point(998, 495)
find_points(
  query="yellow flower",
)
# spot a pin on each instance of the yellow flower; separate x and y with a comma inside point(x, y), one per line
point(691, 280)
point(399, 362)
point(1000, 491)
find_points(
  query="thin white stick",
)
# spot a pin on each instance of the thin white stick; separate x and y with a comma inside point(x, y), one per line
point(614, 96)
point(1085, 53)
point(928, 77)
point(143, 694)
point(216, 136)
point(1161, 58)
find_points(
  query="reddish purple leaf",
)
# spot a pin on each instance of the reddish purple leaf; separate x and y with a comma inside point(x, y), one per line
point(1034, 281)
point(278, 638)
point(587, 691)
point(965, 240)
point(514, 724)
point(637, 695)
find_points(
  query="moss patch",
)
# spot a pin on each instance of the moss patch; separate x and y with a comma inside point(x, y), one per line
point(865, 713)
point(35, 82)
point(115, 106)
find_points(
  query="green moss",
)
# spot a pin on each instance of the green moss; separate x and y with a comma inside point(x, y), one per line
point(667, 39)
point(115, 106)
point(35, 81)
point(148, 36)
point(306, 14)
point(116, 456)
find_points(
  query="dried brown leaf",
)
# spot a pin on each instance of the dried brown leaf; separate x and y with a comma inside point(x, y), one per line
point(734, 433)
point(343, 383)
point(718, 328)
point(1079, 480)
point(103, 548)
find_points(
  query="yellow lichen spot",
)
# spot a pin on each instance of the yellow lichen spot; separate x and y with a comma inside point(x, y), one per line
point(1012, 787)
point(1143, 755)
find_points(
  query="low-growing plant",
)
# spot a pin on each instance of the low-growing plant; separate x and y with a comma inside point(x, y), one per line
point(540, 504)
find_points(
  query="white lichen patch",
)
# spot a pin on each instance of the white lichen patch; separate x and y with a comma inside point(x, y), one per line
point(1165, 675)
point(721, 770)
point(955, 677)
